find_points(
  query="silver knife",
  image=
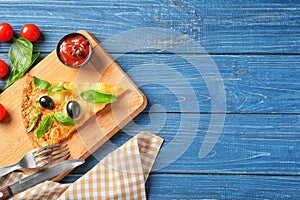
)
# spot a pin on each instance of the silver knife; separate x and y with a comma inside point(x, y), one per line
point(38, 177)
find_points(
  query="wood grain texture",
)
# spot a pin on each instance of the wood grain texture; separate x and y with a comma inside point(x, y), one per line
point(207, 186)
point(253, 84)
point(255, 46)
point(97, 130)
point(219, 26)
point(250, 144)
point(193, 186)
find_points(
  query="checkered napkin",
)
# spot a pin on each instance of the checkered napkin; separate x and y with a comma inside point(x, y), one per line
point(120, 175)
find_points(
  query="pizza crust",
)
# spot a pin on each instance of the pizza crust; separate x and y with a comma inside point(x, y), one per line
point(57, 132)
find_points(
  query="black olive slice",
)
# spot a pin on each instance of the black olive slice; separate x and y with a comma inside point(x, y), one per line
point(73, 109)
point(46, 102)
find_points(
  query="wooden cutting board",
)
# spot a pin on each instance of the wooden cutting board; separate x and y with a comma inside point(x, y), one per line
point(13, 138)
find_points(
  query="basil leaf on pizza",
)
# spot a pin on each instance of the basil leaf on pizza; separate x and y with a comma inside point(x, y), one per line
point(42, 84)
point(47, 125)
point(58, 89)
point(63, 119)
point(36, 118)
point(44, 126)
point(94, 96)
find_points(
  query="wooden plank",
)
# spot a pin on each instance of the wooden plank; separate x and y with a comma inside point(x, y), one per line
point(218, 26)
point(14, 141)
point(253, 84)
point(193, 186)
point(249, 144)
point(207, 186)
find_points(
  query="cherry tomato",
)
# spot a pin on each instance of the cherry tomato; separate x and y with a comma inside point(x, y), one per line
point(3, 69)
point(31, 32)
point(6, 32)
point(2, 112)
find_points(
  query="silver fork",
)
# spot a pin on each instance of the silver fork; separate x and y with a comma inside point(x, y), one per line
point(39, 157)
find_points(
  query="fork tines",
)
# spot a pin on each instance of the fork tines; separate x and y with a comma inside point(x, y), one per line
point(50, 154)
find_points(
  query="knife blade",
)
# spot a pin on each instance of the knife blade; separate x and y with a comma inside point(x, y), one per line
point(38, 177)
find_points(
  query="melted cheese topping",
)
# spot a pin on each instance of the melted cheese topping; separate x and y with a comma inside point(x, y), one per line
point(58, 132)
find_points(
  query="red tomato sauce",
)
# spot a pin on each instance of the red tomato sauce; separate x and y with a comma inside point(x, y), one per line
point(74, 50)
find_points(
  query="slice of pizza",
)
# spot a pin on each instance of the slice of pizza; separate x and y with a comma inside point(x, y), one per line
point(52, 111)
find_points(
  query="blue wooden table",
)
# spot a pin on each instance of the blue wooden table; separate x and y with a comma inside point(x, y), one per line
point(217, 74)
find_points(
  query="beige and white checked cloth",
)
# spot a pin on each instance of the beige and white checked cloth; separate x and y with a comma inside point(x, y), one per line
point(120, 175)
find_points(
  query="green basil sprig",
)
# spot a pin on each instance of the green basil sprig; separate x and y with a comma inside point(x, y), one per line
point(63, 119)
point(45, 85)
point(95, 96)
point(42, 84)
point(22, 57)
point(36, 117)
point(44, 126)
point(48, 121)
point(58, 89)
